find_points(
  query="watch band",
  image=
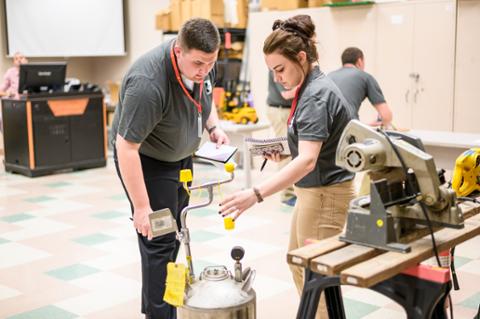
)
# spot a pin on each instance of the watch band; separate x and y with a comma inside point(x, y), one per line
point(211, 129)
point(257, 193)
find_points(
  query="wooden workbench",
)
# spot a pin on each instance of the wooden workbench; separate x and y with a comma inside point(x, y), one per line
point(364, 266)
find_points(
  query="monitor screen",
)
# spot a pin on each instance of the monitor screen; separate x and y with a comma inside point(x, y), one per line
point(42, 77)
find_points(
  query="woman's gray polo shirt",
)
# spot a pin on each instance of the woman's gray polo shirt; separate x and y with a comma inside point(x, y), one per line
point(154, 111)
point(321, 115)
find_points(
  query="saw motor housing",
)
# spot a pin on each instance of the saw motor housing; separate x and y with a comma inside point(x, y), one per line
point(394, 207)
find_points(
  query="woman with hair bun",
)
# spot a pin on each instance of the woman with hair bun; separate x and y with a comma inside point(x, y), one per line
point(318, 116)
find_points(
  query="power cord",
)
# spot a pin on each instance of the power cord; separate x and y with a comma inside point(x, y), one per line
point(410, 186)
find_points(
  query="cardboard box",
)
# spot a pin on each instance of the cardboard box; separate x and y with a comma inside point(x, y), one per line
point(318, 3)
point(163, 20)
point(175, 15)
point(209, 9)
point(283, 4)
point(186, 10)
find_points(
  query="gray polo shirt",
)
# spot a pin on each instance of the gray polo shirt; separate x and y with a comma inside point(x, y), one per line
point(356, 85)
point(154, 111)
point(275, 90)
point(321, 115)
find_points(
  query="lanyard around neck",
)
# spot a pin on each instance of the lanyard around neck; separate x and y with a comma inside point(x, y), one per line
point(198, 104)
point(294, 105)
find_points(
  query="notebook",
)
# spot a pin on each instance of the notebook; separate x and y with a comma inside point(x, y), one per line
point(209, 151)
point(259, 146)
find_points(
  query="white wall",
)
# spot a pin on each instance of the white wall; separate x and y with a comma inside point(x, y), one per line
point(141, 37)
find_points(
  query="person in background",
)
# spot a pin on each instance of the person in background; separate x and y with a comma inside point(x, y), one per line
point(356, 85)
point(164, 106)
point(318, 117)
point(279, 103)
point(9, 85)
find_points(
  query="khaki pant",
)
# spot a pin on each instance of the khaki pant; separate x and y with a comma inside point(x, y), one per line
point(320, 213)
point(278, 119)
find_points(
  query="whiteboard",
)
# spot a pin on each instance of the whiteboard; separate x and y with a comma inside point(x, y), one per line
point(64, 28)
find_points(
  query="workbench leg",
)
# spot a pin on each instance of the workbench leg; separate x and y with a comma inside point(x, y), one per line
point(421, 299)
point(313, 287)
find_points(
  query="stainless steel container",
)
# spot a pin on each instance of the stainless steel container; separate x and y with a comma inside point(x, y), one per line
point(219, 295)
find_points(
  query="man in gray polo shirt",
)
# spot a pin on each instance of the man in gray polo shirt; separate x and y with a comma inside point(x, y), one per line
point(165, 104)
point(356, 85)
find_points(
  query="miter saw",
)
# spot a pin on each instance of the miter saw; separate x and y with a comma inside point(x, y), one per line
point(405, 190)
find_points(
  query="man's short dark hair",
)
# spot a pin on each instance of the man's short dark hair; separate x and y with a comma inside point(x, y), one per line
point(351, 55)
point(199, 34)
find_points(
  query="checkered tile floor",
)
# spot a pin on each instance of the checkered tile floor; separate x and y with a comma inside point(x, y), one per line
point(68, 250)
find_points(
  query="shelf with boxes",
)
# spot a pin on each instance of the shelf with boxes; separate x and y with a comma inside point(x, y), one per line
point(180, 11)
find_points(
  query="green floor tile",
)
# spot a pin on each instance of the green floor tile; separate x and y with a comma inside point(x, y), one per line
point(16, 218)
point(203, 235)
point(110, 215)
point(118, 197)
point(286, 209)
point(203, 212)
point(39, 199)
point(93, 239)
point(472, 302)
point(47, 312)
point(4, 241)
point(356, 309)
point(72, 272)
point(58, 184)
point(460, 261)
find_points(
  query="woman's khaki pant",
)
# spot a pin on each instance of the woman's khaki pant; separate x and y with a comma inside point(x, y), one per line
point(319, 213)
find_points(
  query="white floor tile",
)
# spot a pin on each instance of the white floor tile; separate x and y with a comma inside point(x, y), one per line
point(472, 267)
point(385, 313)
point(35, 227)
point(367, 296)
point(7, 292)
point(14, 254)
point(266, 287)
point(107, 282)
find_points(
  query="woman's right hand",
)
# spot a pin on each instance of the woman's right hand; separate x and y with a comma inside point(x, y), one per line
point(141, 222)
point(275, 157)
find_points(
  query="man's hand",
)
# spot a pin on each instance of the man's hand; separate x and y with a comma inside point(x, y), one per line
point(218, 136)
point(141, 222)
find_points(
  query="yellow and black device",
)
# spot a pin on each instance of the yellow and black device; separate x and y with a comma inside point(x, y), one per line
point(466, 175)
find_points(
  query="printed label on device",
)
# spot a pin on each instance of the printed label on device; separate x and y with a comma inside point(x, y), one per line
point(162, 222)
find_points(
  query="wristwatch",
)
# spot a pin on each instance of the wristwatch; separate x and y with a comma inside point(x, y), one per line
point(257, 193)
point(211, 129)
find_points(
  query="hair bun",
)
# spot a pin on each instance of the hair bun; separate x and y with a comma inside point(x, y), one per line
point(277, 24)
point(301, 24)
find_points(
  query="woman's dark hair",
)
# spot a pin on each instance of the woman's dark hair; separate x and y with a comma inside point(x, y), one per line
point(291, 36)
point(200, 34)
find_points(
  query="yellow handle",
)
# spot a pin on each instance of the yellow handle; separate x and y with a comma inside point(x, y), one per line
point(229, 167)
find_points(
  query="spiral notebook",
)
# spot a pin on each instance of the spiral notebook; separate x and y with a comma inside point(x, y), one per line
point(261, 146)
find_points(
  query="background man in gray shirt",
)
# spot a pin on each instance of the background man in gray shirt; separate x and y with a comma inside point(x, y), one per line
point(356, 85)
point(165, 104)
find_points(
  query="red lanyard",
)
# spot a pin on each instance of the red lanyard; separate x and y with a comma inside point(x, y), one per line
point(198, 104)
point(294, 105)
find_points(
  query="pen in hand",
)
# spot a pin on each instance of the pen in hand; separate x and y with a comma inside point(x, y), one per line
point(263, 164)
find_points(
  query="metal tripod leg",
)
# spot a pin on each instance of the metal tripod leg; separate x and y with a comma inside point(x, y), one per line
point(421, 299)
point(312, 289)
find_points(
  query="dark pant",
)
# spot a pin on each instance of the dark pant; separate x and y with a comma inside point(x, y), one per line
point(164, 191)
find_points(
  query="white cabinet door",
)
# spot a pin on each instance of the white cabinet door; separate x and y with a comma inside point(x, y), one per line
point(394, 47)
point(433, 62)
point(467, 87)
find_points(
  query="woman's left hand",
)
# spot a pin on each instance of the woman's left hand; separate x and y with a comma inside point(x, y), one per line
point(237, 203)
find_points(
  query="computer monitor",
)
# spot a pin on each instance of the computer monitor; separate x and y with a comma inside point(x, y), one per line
point(42, 77)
